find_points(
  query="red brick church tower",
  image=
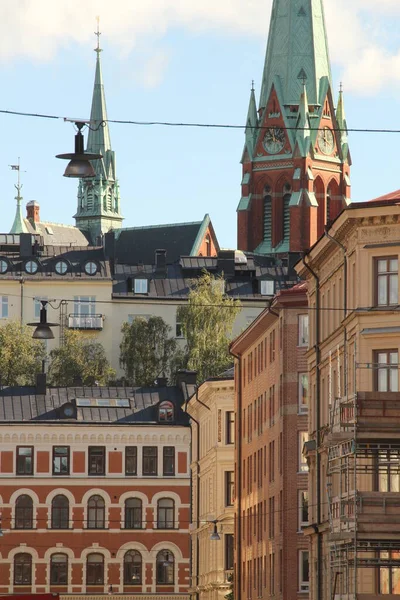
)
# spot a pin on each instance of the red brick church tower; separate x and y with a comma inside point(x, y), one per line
point(296, 159)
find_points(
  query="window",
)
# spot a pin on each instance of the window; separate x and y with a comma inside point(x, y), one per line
point(141, 286)
point(386, 368)
point(97, 460)
point(303, 508)
point(166, 513)
point(61, 267)
point(3, 266)
point(131, 460)
point(389, 576)
point(304, 576)
point(178, 328)
point(84, 306)
point(166, 413)
point(132, 318)
point(303, 438)
point(165, 567)
point(303, 392)
point(271, 513)
point(387, 281)
point(58, 569)
point(133, 513)
point(96, 513)
point(229, 550)
point(132, 568)
point(229, 488)
point(388, 471)
point(267, 288)
point(230, 427)
point(95, 569)
point(168, 460)
point(60, 460)
point(24, 512)
point(303, 330)
point(24, 460)
point(60, 512)
point(91, 268)
point(150, 460)
point(4, 307)
point(31, 267)
point(23, 569)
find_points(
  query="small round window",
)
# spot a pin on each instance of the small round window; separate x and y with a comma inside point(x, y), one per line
point(90, 268)
point(31, 267)
point(61, 267)
point(3, 266)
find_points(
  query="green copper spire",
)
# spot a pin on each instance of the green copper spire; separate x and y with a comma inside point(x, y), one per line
point(251, 123)
point(98, 197)
point(19, 224)
point(303, 124)
point(297, 50)
point(341, 121)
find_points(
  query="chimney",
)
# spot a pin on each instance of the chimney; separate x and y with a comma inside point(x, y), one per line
point(161, 262)
point(41, 386)
point(33, 211)
point(25, 245)
point(109, 245)
point(226, 262)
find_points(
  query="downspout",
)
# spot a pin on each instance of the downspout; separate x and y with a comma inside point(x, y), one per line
point(343, 249)
point(21, 282)
point(318, 424)
point(238, 481)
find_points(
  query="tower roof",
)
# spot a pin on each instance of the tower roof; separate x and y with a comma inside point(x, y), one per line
point(19, 224)
point(99, 134)
point(297, 50)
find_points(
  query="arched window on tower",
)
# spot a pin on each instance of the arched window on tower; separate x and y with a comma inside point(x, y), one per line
point(287, 194)
point(319, 190)
point(267, 215)
point(328, 206)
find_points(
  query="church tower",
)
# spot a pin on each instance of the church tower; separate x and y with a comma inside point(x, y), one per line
point(99, 207)
point(296, 159)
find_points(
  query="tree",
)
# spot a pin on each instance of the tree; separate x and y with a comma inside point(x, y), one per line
point(147, 350)
point(20, 355)
point(207, 322)
point(81, 358)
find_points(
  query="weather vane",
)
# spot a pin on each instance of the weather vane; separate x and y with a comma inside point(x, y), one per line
point(98, 34)
point(18, 185)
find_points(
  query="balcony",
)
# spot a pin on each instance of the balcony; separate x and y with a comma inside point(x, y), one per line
point(376, 412)
point(85, 322)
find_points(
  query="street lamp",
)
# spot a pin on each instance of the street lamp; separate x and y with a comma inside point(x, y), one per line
point(79, 161)
point(43, 328)
point(215, 537)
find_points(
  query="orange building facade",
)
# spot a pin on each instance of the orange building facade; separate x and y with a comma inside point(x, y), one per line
point(95, 492)
point(271, 553)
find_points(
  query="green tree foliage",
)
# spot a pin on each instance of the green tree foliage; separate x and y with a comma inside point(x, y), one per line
point(79, 357)
point(147, 350)
point(230, 594)
point(20, 355)
point(207, 322)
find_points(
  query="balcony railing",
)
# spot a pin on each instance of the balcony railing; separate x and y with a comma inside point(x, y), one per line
point(92, 322)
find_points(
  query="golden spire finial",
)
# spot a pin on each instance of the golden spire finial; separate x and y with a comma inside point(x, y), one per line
point(98, 34)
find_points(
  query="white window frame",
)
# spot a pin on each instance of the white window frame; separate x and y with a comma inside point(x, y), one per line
point(303, 438)
point(304, 332)
point(301, 495)
point(304, 585)
point(4, 307)
point(178, 329)
point(303, 408)
point(141, 285)
point(267, 287)
point(81, 302)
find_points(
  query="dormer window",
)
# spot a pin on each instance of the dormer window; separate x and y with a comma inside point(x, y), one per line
point(141, 286)
point(166, 412)
point(267, 288)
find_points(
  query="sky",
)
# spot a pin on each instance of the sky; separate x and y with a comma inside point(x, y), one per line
point(176, 61)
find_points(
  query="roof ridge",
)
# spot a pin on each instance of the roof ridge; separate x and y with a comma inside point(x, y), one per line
point(162, 225)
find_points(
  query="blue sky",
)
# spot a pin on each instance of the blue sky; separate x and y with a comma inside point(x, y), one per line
point(166, 60)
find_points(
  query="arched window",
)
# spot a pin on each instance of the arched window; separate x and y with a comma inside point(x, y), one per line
point(166, 412)
point(59, 569)
point(165, 567)
point(165, 513)
point(286, 217)
point(95, 569)
point(268, 216)
point(24, 512)
point(133, 513)
point(132, 568)
point(208, 245)
point(96, 513)
point(60, 512)
point(23, 569)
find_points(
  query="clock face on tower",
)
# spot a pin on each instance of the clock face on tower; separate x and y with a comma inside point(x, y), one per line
point(326, 141)
point(274, 140)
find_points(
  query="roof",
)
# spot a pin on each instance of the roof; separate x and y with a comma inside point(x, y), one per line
point(23, 404)
point(138, 244)
point(56, 234)
point(393, 196)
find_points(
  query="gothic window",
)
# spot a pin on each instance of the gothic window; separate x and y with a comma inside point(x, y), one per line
point(60, 512)
point(132, 568)
point(165, 567)
point(286, 216)
point(23, 569)
point(328, 205)
point(267, 215)
point(24, 512)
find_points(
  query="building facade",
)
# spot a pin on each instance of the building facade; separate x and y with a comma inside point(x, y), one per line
point(212, 465)
point(271, 406)
point(354, 444)
point(95, 491)
point(296, 161)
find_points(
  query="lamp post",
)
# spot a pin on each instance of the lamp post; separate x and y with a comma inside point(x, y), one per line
point(79, 161)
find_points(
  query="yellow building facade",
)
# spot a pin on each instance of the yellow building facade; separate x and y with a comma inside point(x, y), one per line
point(354, 436)
point(212, 465)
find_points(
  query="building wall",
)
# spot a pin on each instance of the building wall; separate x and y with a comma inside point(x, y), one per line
point(270, 472)
point(212, 459)
point(115, 487)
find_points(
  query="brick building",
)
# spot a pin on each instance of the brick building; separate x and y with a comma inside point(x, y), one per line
point(271, 553)
point(95, 491)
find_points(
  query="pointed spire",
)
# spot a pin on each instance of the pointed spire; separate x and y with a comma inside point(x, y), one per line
point(251, 121)
point(297, 48)
point(19, 224)
point(341, 117)
point(303, 123)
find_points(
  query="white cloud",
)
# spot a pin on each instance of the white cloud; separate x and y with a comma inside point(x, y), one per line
point(38, 29)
